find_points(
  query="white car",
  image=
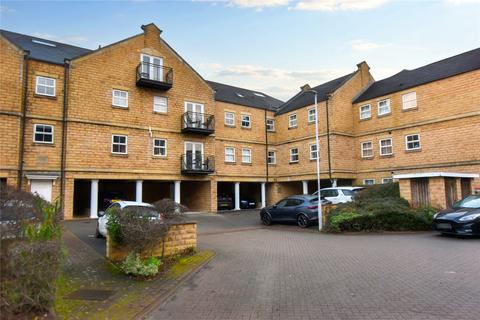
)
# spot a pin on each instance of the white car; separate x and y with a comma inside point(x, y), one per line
point(338, 194)
point(101, 230)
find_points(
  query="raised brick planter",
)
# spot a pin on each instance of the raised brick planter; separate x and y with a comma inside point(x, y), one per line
point(178, 238)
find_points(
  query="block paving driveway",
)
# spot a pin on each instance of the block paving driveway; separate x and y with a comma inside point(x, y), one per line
point(283, 272)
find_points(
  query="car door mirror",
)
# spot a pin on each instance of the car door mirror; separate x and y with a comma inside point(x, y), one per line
point(101, 214)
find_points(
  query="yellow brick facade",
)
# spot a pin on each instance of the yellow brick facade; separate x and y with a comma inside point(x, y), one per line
point(447, 118)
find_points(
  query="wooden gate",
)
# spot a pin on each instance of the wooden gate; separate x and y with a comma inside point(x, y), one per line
point(419, 190)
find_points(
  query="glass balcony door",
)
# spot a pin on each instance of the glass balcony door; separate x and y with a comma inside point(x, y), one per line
point(195, 113)
point(194, 155)
point(152, 67)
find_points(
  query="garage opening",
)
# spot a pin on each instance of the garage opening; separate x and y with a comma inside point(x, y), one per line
point(157, 190)
point(250, 195)
point(196, 195)
point(81, 198)
point(226, 195)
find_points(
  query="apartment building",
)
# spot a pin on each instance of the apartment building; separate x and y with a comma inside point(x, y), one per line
point(135, 120)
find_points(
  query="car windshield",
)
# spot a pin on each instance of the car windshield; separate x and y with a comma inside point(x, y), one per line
point(468, 202)
point(348, 192)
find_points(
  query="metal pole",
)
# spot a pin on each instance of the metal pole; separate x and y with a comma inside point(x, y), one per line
point(320, 216)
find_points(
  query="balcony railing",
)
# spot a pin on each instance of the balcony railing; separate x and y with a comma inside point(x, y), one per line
point(196, 122)
point(154, 76)
point(195, 164)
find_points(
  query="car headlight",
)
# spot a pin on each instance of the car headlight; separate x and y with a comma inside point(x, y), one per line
point(436, 215)
point(470, 217)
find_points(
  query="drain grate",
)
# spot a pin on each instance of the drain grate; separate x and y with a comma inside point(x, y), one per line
point(89, 294)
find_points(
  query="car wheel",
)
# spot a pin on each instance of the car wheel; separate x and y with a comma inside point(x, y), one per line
point(266, 219)
point(302, 221)
point(97, 232)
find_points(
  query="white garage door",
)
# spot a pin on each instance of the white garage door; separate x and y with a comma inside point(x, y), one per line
point(43, 188)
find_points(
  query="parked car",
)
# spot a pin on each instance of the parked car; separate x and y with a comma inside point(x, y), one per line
point(147, 209)
point(302, 209)
point(248, 203)
point(111, 197)
point(462, 219)
point(338, 194)
point(224, 201)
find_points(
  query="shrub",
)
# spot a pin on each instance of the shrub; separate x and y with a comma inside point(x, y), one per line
point(133, 265)
point(170, 210)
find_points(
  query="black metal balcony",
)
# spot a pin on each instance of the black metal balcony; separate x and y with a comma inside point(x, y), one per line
point(154, 76)
point(197, 164)
point(196, 122)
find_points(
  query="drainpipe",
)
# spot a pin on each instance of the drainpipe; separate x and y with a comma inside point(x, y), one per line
point(328, 141)
point(266, 146)
point(66, 76)
point(23, 122)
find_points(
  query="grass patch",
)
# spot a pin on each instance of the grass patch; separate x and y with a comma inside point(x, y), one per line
point(185, 264)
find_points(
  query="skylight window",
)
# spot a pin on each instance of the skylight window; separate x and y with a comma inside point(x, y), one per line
point(259, 94)
point(44, 43)
point(239, 94)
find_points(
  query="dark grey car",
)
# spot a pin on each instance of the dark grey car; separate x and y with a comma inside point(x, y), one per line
point(303, 209)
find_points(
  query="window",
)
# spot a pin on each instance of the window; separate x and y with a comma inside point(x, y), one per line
point(386, 147)
point(312, 115)
point(160, 147)
point(383, 107)
point(293, 155)
point(119, 144)
point(229, 154)
point(229, 118)
point(409, 100)
point(45, 86)
point(292, 120)
point(246, 121)
point(365, 112)
point(246, 155)
point(160, 104)
point(368, 182)
point(313, 152)
point(387, 180)
point(367, 149)
point(42, 133)
point(270, 125)
point(120, 98)
point(271, 157)
point(329, 193)
point(412, 142)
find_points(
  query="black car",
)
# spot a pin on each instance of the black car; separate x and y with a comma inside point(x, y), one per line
point(224, 201)
point(302, 209)
point(247, 203)
point(462, 219)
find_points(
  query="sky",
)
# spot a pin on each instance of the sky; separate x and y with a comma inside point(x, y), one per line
point(273, 46)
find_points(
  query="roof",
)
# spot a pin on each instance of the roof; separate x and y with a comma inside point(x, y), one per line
point(435, 174)
point(42, 49)
point(303, 99)
point(244, 97)
point(464, 62)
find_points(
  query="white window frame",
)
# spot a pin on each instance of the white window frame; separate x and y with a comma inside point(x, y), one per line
point(43, 133)
point(156, 104)
point(232, 154)
point(413, 102)
point(249, 155)
point(383, 113)
point(418, 140)
point(390, 146)
point(387, 180)
point(292, 154)
point(114, 97)
point(314, 115)
point(46, 86)
point(368, 184)
point(274, 157)
point(272, 125)
point(116, 143)
point(226, 119)
point(362, 149)
point(312, 152)
point(242, 117)
point(155, 147)
point(292, 120)
point(362, 117)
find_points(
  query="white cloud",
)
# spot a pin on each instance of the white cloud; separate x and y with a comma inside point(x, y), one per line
point(280, 83)
point(460, 2)
point(335, 5)
point(258, 4)
point(64, 39)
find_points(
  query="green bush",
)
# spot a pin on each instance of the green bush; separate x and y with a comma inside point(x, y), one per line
point(133, 265)
point(379, 208)
point(114, 228)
